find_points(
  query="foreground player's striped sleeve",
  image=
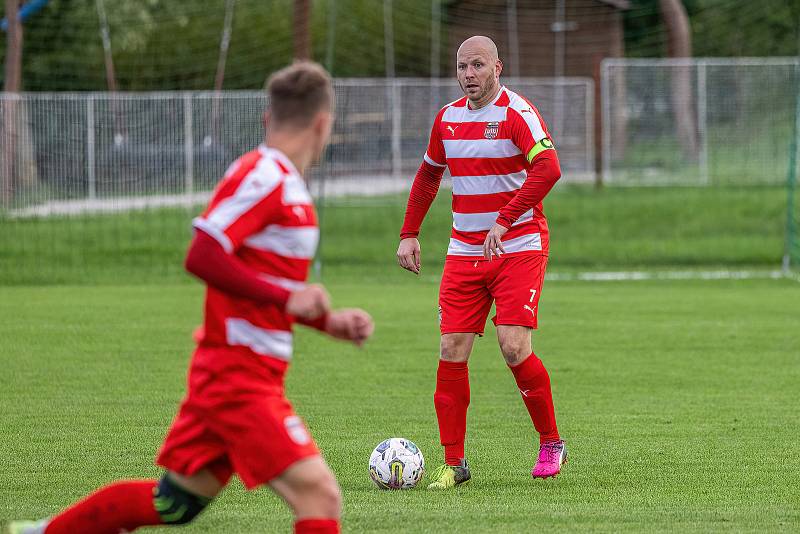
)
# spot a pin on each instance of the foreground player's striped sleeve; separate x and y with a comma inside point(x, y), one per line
point(247, 199)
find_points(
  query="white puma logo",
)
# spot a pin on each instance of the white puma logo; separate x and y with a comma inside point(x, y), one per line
point(300, 213)
point(453, 130)
point(532, 310)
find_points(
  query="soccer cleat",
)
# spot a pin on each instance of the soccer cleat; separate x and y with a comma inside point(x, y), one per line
point(552, 455)
point(25, 527)
point(450, 476)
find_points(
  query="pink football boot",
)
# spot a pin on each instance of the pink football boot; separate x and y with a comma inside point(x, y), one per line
point(552, 455)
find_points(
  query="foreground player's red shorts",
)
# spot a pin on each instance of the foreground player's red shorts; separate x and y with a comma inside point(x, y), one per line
point(469, 287)
point(235, 419)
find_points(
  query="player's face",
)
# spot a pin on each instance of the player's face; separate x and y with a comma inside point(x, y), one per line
point(477, 75)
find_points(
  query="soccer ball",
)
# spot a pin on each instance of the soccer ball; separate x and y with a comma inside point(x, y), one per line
point(396, 463)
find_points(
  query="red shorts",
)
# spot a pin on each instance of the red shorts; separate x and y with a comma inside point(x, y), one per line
point(235, 419)
point(469, 287)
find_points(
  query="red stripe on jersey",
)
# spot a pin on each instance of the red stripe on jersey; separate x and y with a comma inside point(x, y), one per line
point(477, 238)
point(247, 225)
point(482, 203)
point(486, 166)
point(237, 172)
point(282, 167)
point(304, 215)
point(470, 130)
point(504, 100)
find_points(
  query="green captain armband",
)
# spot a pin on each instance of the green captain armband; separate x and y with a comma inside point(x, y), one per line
point(541, 146)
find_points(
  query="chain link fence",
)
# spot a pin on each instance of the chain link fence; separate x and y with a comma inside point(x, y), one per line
point(697, 121)
point(72, 153)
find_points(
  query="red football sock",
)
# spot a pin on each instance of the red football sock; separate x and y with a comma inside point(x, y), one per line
point(534, 385)
point(120, 506)
point(451, 401)
point(317, 526)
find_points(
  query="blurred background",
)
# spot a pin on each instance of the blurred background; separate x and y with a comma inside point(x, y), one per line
point(676, 124)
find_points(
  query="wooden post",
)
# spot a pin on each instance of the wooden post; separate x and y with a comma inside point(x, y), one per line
point(302, 23)
point(679, 45)
point(13, 81)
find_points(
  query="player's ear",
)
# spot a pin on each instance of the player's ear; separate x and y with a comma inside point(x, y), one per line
point(266, 119)
point(498, 67)
point(323, 124)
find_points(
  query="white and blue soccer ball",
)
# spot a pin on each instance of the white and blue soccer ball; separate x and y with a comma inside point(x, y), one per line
point(396, 463)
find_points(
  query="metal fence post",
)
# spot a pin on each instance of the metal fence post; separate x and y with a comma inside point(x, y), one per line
point(90, 149)
point(188, 147)
point(397, 155)
point(590, 143)
point(702, 127)
point(605, 98)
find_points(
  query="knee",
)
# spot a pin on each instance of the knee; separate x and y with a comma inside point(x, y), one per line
point(175, 505)
point(455, 348)
point(331, 497)
point(326, 496)
point(513, 351)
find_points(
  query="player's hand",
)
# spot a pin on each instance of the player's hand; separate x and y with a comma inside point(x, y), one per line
point(492, 244)
point(350, 324)
point(408, 255)
point(309, 303)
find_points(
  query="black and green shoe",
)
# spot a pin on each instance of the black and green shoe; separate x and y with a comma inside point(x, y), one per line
point(450, 476)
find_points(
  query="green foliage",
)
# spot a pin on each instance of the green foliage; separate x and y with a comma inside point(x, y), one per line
point(163, 45)
point(720, 28)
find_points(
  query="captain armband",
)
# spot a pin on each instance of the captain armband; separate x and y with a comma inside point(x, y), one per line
point(541, 146)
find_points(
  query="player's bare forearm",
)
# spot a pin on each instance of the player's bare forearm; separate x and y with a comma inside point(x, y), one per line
point(545, 171)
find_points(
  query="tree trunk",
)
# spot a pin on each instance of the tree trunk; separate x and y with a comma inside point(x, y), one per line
point(679, 44)
point(302, 22)
point(13, 75)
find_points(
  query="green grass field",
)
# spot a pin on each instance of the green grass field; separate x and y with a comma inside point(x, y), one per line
point(616, 229)
point(678, 401)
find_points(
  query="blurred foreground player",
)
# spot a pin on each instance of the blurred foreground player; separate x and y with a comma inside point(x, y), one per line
point(252, 247)
point(503, 163)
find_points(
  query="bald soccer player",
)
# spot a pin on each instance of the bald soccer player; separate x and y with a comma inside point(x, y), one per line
point(503, 163)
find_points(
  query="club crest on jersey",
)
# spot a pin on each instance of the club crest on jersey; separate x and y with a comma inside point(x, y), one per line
point(491, 130)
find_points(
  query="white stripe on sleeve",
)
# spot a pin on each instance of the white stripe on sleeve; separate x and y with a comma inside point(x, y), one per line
point(528, 114)
point(428, 160)
point(213, 231)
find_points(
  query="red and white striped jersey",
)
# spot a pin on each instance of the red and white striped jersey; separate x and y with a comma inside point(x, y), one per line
point(263, 213)
point(486, 151)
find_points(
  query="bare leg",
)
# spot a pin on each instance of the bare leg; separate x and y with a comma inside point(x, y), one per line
point(310, 489)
